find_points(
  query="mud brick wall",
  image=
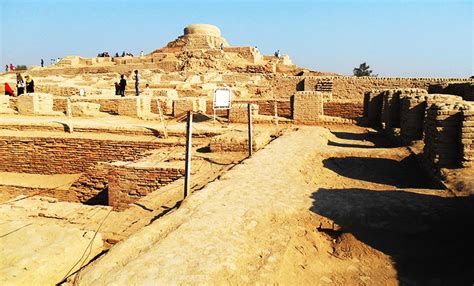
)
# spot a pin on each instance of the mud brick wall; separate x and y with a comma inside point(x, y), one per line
point(265, 107)
point(36, 103)
point(307, 106)
point(127, 185)
point(57, 90)
point(239, 112)
point(181, 106)
point(373, 101)
point(41, 155)
point(344, 109)
point(92, 185)
point(462, 89)
point(134, 106)
point(412, 114)
point(443, 135)
point(467, 138)
point(391, 105)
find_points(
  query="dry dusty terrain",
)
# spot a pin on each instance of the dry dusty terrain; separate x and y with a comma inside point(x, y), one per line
point(311, 208)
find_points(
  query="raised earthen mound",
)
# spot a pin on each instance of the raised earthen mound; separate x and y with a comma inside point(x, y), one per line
point(197, 36)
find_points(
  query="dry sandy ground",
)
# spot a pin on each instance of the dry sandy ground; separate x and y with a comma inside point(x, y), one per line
point(348, 211)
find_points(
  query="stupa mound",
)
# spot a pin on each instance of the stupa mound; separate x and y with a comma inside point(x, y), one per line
point(198, 36)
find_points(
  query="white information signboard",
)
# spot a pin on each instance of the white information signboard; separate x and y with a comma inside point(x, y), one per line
point(222, 98)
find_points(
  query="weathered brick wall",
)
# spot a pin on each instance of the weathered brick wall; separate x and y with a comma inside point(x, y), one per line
point(443, 135)
point(41, 155)
point(134, 106)
point(307, 106)
point(239, 112)
point(414, 111)
point(391, 107)
point(353, 88)
point(412, 115)
point(57, 90)
point(127, 185)
point(462, 89)
point(92, 185)
point(265, 106)
point(344, 109)
point(373, 101)
point(467, 138)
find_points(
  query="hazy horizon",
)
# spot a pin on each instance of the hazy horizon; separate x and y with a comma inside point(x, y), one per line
point(396, 38)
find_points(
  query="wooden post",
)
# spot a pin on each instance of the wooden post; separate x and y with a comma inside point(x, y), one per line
point(69, 115)
point(249, 112)
point(187, 166)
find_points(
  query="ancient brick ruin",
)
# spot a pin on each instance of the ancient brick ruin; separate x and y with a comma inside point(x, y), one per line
point(100, 153)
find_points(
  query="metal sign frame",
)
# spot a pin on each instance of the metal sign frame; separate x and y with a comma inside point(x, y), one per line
point(218, 107)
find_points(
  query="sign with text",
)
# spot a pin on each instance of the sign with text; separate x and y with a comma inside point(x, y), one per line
point(222, 98)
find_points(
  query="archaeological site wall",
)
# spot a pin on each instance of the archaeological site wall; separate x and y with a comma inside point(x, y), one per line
point(348, 92)
point(462, 89)
point(50, 155)
point(444, 123)
point(128, 183)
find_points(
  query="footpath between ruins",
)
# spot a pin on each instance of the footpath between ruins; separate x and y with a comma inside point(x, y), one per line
point(313, 207)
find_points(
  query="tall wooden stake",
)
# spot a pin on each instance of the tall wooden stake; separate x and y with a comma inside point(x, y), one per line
point(69, 116)
point(249, 112)
point(187, 166)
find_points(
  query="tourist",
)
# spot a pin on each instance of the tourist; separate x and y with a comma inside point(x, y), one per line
point(30, 84)
point(6, 68)
point(8, 90)
point(42, 63)
point(147, 89)
point(116, 55)
point(117, 88)
point(141, 54)
point(123, 54)
point(20, 84)
point(277, 54)
point(11, 67)
point(137, 82)
point(123, 84)
point(222, 46)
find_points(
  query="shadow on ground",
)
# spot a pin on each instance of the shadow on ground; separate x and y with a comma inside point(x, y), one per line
point(401, 174)
point(429, 238)
point(375, 140)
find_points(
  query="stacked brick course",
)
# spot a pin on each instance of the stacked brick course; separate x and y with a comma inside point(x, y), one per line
point(443, 135)
point(239, 112)
point(413, 113)
point(391, 106)
point(467, 137)
point(127, 183)
point(36, 104)
point(462, 89)
point(307, 106)
point(373, 101)
point(139, 106)
point(85, 109)
point(46, 155)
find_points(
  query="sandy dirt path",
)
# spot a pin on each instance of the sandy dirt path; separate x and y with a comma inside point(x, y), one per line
point(312, 208)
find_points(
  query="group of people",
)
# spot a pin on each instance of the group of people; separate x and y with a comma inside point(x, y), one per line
point(124, 54)
point(54, 61)
point(11, 68)
point(103, 55)
point(21, 84)
point(121, 85)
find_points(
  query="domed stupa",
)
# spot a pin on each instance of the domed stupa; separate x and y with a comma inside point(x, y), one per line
point(198, 36)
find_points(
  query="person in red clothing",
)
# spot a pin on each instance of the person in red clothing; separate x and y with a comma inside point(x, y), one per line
point(8, 90)
point(11, 67)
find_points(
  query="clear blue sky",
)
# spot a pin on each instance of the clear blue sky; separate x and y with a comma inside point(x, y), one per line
point(396, 38)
